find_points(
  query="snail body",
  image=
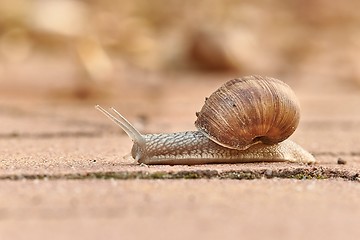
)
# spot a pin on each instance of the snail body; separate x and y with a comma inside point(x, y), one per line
point(246, 120)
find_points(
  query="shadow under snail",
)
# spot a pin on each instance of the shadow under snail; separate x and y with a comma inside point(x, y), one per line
point(247, 119)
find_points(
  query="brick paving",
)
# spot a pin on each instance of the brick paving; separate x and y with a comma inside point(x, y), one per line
point(63, 172)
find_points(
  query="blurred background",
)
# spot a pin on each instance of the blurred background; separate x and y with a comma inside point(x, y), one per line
point(155, 61)
point(92, 49)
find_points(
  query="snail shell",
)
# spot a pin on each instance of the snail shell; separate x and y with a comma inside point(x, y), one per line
point(248, 110)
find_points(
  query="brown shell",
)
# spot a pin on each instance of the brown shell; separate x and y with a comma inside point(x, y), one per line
point(247, 110)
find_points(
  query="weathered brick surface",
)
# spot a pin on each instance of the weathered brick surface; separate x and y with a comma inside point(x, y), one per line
point(62, 168)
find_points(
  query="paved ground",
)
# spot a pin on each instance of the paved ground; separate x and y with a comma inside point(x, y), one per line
point(179, 209)
point(62, 171)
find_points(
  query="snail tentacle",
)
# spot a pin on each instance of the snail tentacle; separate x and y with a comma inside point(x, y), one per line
point(125, 125)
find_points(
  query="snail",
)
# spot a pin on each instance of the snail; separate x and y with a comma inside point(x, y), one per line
point(247, 119)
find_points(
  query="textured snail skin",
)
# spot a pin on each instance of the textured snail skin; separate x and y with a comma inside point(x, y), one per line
point(193, 147)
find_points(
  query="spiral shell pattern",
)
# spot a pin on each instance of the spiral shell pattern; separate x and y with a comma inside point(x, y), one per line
point(248, 110)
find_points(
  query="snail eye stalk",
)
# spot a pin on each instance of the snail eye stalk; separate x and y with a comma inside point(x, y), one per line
point(125, 125)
